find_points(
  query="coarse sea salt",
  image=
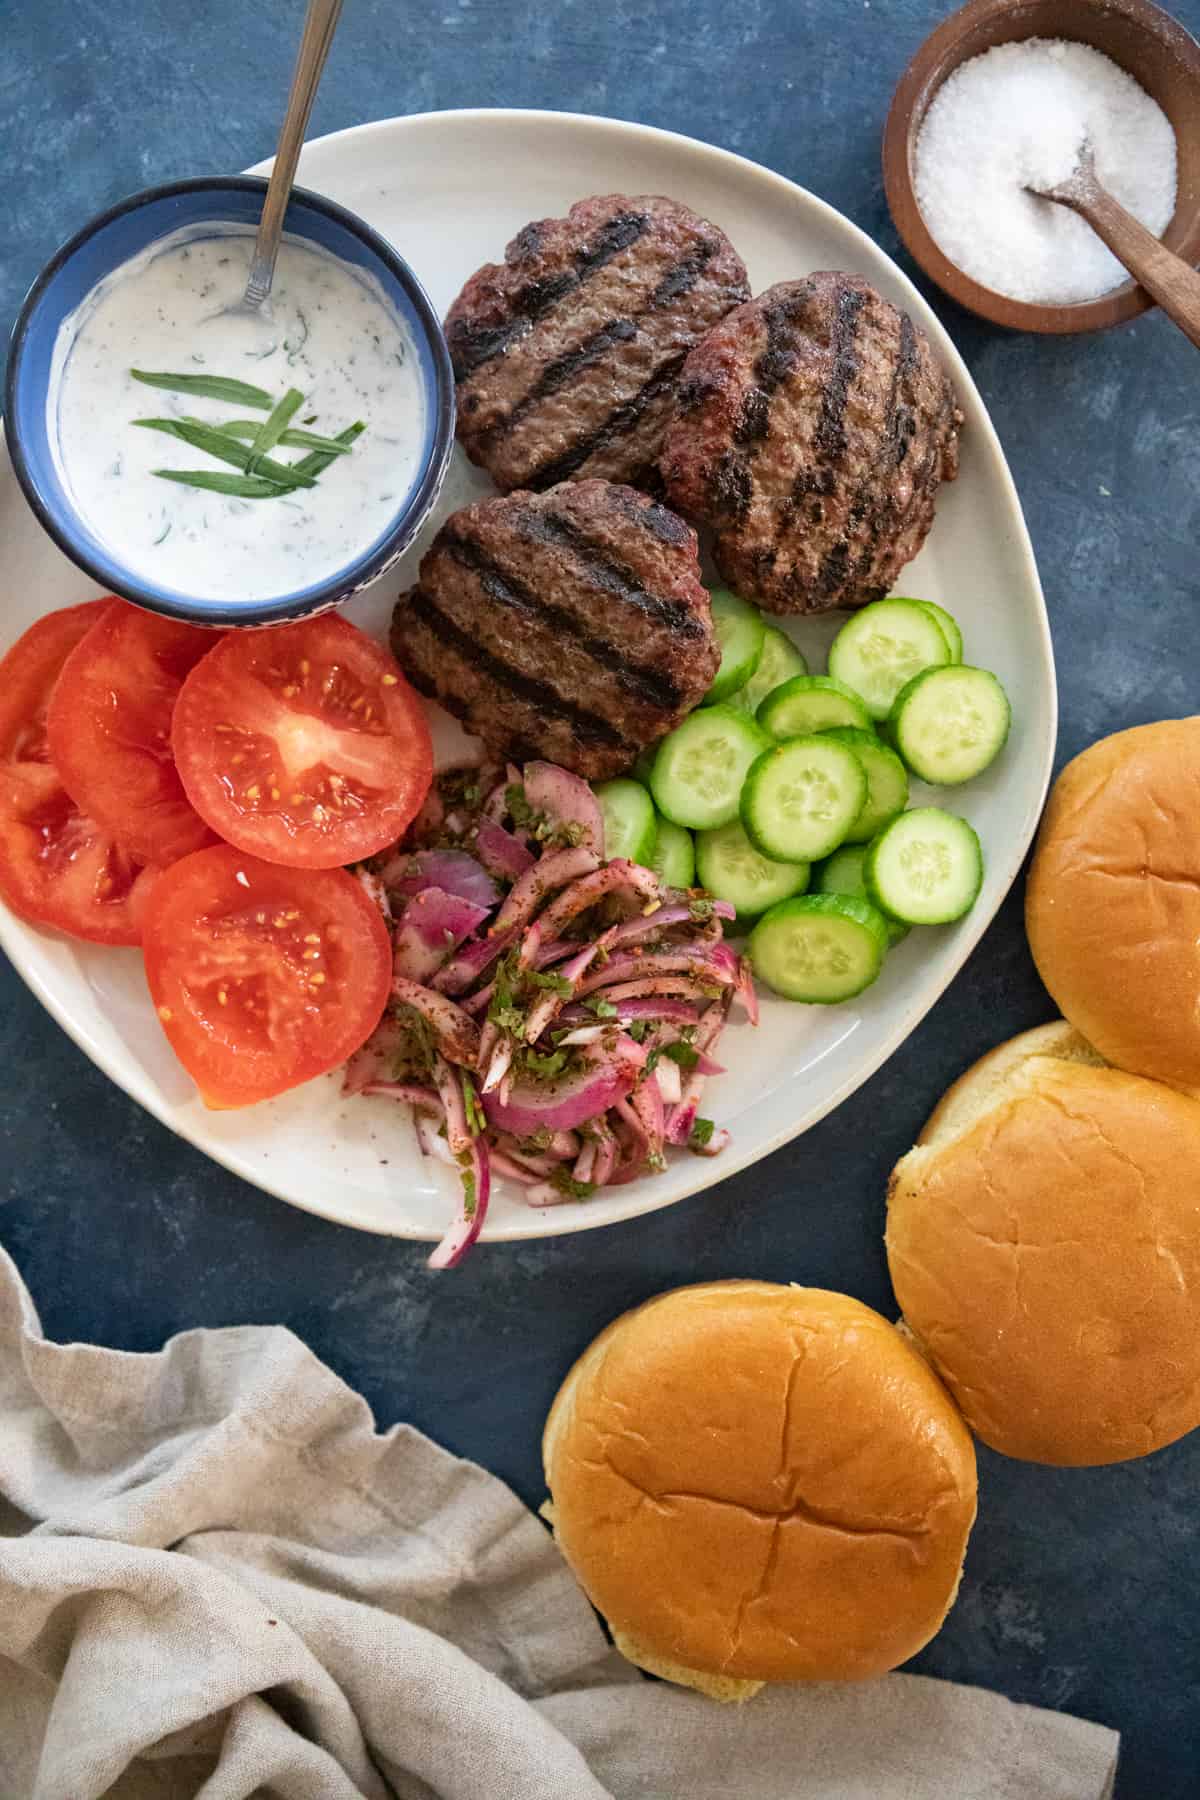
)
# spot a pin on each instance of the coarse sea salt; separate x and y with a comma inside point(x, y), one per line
point(1016, 116)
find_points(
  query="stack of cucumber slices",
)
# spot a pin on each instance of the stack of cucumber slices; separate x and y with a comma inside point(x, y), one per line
point(791, 781)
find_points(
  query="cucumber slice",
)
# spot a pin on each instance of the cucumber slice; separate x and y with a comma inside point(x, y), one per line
point(740, 632)
point(810, 703)
point(926, 868)
point(947, 624)
point(630, 823)
point(822, 948)
point(887, 783)
point(842, 873)
point(801, 798)
point(700, 767)
point(780, 660)
point(674, 859)
point(884, 646)
point(729, 866)
point(949, 724)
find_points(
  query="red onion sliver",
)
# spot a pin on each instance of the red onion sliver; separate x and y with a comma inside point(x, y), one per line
point(454, 871)
point(502, 854)
point(374, 1059)
point(685, 987)
point(566, 800)
point(606, 1077)
point(586, 892)
point(433, 924)
point(719, 1141)
point(472, 961)
point(670, 1081)
point(503, 1164)
point(456, 1031)
point(468, 1221)
point(413, 1093)
point(666, 916)
point(449, 1087)
point(547, 875)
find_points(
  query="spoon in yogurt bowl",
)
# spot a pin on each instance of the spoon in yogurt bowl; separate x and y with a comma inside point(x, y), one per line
point(320, 23)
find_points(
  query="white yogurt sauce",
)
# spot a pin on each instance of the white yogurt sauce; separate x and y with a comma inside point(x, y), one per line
point(338, 339)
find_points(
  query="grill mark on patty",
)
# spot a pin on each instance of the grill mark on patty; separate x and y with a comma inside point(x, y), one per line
point(897, 425)
point(509, 591)
point(658, 520)
point(732, 486)
point(589, 727)
point(674, 285)
point(593, 562)
point(472, 345)
point(829, 435)
point(619, 422)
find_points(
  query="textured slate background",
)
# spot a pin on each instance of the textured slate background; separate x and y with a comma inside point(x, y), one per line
point(1082, 1588)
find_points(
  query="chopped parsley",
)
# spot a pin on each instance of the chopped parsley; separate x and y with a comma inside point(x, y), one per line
point(470, 1197)
point(541, 1139)
point(516, 805)
point(475, 1119)
point(700, 908)
point(550, 982)
point(546, 1066)
point(602, 1008)
point(701, 1133)
point(638, 1030)
point(683, 1054)
point(567, 1184)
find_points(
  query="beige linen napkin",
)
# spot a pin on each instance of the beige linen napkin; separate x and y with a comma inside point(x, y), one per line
point(217, 1582)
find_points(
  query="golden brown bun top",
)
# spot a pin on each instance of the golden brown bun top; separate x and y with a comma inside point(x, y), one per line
point(1112, 908)
point(761, 1482)
point(1044, 1244)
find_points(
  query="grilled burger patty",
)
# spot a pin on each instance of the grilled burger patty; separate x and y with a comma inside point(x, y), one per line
point(570, 625)
point(566, 354)
point(812, 429)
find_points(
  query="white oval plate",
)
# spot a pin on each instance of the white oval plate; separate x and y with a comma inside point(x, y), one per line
point(449, 190)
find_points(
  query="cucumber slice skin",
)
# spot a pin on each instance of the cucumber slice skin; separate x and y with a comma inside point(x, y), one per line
point(842, 873)
point(914, 718)
point(740, 633)
point(630, 822)
point(677, 782)
point(811, 703)
point(947, 624)
point(812, 760)
point(780, 660)
point(887, 782)
point(882, 647)
point(674, 859)
point(786, 946)
point(890, 886)
point(730, 868)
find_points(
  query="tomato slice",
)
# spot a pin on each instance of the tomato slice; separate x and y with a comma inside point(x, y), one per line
point(262, 976)
point(57, 866)
point(109, 728)
point(303, 743)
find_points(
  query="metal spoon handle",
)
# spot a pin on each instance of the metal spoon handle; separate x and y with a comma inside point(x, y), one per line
point(1172, 282)
point(319, 25)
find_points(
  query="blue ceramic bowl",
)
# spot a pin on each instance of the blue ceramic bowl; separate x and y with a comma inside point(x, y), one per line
point(124, 231)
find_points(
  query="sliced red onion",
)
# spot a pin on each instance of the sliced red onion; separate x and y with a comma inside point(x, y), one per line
point(452, 870)
point(566, 800)
point(474, 1004)
point(433, 924)
point(456, 1031)
point(503, 1164)
point(646, 1102)
point(450, 1093)
point(607, 1075)
point(666, 916)
point(537, 1163)
point(472, 961)
point(374, 1059)
point(706, 1066)
point(547, 1006)
point(431, 1138)
point(468, 1220)
point(498, 1065)
point(547, 875)
point(585, 1162)
point(684, 987)
point(585, 1034)
point(606, 1159)
point(375, 891)
point(745, 990)
point(587, 891)
point(695, 958)
point(502, 854)
point(719, 1141)
point(677, 1012)
point(413, 1093)
point(546, 1194)
point(670, 1081)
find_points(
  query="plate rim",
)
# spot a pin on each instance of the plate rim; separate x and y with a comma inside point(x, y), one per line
point(531, 1224)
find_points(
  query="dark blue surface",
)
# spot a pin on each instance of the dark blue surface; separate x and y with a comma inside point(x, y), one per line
point(1082, 1588)
point(101, 245)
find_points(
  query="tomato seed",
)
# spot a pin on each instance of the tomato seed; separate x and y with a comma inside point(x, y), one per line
point(390, 680)
point(165, 1014)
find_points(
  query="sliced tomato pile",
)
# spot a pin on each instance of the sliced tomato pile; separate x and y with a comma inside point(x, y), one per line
point(130, 744)
point(109, 730)
point(58, 865)
point(303, 745)
point(263, 976)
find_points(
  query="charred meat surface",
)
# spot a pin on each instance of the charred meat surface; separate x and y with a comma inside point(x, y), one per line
point(570, 626)
point(566, 355)
point(813, 428)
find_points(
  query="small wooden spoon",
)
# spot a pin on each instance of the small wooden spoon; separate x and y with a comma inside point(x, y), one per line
point(1173, 282)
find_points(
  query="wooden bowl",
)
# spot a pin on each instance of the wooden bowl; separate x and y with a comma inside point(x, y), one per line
point(1149, 43)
